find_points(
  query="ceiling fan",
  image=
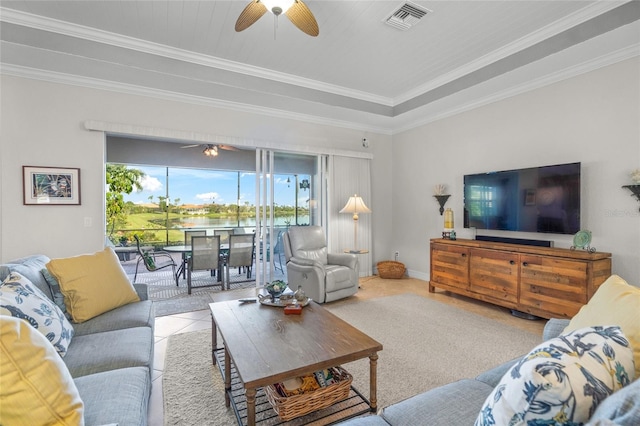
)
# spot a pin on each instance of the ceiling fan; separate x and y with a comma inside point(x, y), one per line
point(211, 150)
point(297, 12)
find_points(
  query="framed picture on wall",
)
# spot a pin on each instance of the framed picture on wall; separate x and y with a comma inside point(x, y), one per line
point(50, 186)
point(530, 197)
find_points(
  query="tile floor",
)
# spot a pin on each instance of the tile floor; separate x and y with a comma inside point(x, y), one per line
point(174, 324)
point(165, 327)
point(370, 287)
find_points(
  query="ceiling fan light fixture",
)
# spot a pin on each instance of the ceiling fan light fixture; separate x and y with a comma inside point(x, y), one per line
point(295, 10)
point(210, 151)
point(278, 7)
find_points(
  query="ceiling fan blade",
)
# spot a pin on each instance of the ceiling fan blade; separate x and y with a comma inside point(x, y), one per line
point(250, 15)
point(228, 147)
point(190, 146)
point(300, 15)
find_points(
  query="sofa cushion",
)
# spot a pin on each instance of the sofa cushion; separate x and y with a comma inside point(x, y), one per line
point(56, 292)
point(562, 379)
point(29, 267)
point(615, 302)
point(554, 328)
point(35, 386)
point(19, 298)
point(98, 352)
point(92, 284)
point(493, 376)
point(115, 397)
point(139, 314)
point(454, 404)
point(621, 408)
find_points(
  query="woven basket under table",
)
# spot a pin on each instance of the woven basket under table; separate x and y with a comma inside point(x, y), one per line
point(298, 405)
point(390, 269)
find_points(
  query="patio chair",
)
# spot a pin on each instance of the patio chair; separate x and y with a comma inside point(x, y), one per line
point(205, 255)
point(154, 260)
point(224, 235)
point(193, 233)
point(241, 250)
point(187, 242)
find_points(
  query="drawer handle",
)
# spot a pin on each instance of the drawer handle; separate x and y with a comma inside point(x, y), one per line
point(512, 262)
point(525, 263)
point(464, 254)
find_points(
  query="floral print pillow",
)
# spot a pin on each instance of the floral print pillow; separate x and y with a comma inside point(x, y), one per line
point(21, 299)
point(562, 381)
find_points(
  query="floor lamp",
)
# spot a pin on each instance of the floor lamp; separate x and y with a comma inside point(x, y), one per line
point(355, 205)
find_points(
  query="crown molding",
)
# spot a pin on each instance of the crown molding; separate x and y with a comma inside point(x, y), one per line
point(93, 83)
point(408, 121)
point(79, 31)
point(564, 74)
point(358, 120)
point(576, 18)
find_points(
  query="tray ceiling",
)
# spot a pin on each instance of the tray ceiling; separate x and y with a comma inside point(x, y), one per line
point(359, 72)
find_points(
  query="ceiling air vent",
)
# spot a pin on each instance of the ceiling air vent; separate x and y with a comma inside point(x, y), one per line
point(406, 16)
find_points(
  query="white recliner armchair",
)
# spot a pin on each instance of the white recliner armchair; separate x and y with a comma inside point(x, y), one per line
point(324, 276)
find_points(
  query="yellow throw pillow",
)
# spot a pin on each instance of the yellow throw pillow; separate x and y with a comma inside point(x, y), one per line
point(615, 303)
point(92, 284)
point(36, 387)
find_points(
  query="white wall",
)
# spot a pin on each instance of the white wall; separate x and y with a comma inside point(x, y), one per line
point(41, 125)
point(593, 118)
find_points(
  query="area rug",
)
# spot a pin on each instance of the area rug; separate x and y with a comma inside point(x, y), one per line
point(426, 344)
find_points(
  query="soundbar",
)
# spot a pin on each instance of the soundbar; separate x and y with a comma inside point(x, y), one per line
point(521, 241)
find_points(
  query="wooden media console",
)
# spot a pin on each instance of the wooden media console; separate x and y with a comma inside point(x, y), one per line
point(541, 281)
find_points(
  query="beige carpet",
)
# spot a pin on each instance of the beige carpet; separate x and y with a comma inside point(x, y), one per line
point(426, 344)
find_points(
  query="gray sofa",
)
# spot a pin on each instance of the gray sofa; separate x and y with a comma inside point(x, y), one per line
point(110, 357)
point(459, 403)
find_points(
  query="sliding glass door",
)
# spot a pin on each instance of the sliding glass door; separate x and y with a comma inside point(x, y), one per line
point(167, 190)
point(288, 193)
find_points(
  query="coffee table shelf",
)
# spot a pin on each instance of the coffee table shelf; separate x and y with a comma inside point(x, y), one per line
point(354, 405)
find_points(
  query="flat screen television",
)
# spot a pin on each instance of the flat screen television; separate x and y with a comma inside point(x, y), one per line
point(537, 199)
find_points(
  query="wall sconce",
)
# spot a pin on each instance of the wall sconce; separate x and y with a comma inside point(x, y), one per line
point(441, 196)
point(635, 189)
point(442, 200)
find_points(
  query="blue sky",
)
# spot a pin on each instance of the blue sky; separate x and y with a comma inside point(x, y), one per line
point(195, 186)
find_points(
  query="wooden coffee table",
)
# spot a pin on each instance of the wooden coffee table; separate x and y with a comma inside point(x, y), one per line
point(269, 347)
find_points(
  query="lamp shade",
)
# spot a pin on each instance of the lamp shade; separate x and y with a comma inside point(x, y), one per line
point(355, 205)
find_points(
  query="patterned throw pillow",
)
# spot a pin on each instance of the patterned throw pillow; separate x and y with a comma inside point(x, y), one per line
point(21, 299)
point(562, 381)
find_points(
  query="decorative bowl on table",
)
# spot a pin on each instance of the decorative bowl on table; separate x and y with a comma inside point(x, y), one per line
point(275, 288)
